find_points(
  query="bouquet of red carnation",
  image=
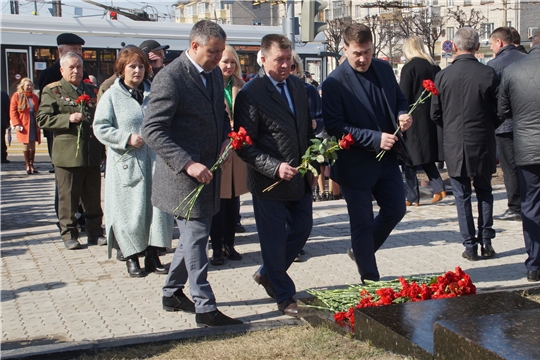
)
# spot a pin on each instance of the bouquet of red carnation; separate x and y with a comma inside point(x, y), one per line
point(83, 101)
point(236, 141)
point(429, 87)
point(319, 151)
point(343, 302)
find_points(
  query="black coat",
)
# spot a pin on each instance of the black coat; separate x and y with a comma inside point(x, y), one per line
point(278, 135)
point(5, 110)
point(347, 109)
point(466, 109)
point(423, 136)
point(519, 98)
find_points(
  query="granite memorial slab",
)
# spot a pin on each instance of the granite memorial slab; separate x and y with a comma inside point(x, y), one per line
point(408, 328)
point(491, 337)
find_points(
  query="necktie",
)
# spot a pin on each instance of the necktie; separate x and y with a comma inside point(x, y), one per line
point(208, 78)
point(281, 86)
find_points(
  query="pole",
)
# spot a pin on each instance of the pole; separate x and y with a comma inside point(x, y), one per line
point(290, 22)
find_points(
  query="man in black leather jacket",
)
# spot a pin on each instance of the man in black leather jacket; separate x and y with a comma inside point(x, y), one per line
point(519, 99)
point(273, 108)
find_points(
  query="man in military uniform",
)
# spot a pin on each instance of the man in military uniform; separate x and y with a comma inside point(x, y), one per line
point(77, 154)
point(66, 42)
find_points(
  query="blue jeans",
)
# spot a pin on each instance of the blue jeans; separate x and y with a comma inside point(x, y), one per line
point(283, 228)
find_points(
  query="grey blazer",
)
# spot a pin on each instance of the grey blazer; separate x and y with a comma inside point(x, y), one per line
point(182, 123)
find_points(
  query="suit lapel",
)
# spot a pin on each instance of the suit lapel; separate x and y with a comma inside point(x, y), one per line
point(360, 93)
point(196, 77)
point(68, 89)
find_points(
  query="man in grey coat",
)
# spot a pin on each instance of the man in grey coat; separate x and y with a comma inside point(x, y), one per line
point(466, 108)
point(519, 98)
point(186, 125)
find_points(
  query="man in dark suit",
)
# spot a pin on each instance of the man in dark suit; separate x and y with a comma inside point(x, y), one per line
point(467, 112)
point(273, 108)
point(362, 97)
point(187, 126)
point(77, 159)
point(505, 53)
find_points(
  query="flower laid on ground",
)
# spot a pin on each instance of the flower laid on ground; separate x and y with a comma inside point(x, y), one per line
point(319, 151)
point(430, 89)
point(236, 141)
point(342, 302)
point(83, 101)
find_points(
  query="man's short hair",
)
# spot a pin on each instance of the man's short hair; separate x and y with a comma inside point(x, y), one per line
point(466, 39)
point(270, 40)
point(536, 38)
point(502, 33)
point(69, 55)
point(203, 30)
point(516, 38)
point(358, 33)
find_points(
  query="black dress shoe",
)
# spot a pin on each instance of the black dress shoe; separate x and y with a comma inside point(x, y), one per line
point(289, 307)
point(533, 275)
point(72, 244)
point(265, 282)
point(97, 240)
point(178, 302)
point(239, 228)
point(51, 171)
point(152, 262)
point(509, 215)
point(5, 161)
point(215, 318)
point(487, 251)
point(133, 267)
point(217, 258)
point(231, 253)
point(470, 256)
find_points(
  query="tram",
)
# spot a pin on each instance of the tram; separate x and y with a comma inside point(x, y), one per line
point(28, 44)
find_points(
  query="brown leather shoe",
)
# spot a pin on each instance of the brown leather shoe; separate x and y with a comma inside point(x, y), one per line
point(438, 196)
point(289, 307)
point(408, 203)
point(265, 282)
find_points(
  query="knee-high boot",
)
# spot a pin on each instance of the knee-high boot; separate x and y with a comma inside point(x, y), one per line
point(31, 159)
point(152, 262)
point(27, 162)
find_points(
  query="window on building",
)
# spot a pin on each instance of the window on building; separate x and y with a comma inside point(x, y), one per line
point(467, 2)
point(357, 11)
point(256, 6)
point(338, 9)
point(449, 3)
point(509, 24)
point(204, 8)
point(190, 10)
point(450, 33)
point(487, 29)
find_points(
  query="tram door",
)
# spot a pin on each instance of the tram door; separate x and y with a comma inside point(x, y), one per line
point(17, 68)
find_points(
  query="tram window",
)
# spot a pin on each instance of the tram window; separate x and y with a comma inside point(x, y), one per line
point(17, 68)
point(107, 58)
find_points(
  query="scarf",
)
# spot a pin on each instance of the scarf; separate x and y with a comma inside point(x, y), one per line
point(137, 94)
point(23, 103)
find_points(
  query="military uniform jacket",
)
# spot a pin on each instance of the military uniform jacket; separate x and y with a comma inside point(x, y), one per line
point(58, 102)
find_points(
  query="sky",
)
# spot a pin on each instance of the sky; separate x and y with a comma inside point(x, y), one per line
point(26, 7)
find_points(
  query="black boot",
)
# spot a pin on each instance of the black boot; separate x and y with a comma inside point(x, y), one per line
point(152, 262)
point(133, 267)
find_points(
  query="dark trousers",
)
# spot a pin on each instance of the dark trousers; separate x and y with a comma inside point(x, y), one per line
point(3, 145)
point(79, 184)
point(505, 145)
point(223, 225)
point(529, 182)
point(411, 182)
point(283, 228)
point(368, 233)
point(461, 186)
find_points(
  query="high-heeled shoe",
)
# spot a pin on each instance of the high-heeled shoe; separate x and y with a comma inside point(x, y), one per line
point(408, 203)
point(152, 262)
point(133, 267)
point(438, 196)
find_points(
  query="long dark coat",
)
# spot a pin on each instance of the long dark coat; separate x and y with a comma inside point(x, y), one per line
point(424, 137)
point(466, 108)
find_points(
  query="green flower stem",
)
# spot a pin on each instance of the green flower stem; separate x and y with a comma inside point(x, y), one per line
point(420, 100)
point(79, 129)
point(121, 157)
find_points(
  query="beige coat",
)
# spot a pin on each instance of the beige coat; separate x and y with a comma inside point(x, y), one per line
point(234, 174)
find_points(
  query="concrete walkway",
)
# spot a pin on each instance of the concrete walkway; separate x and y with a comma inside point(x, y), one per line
point(57, 298)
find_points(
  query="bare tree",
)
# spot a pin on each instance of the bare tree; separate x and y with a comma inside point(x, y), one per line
point(424, 24)
point(386, 34)
point(334, 33)
point(473, 19)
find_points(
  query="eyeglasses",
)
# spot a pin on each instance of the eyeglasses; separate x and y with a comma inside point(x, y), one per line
point(293, 67)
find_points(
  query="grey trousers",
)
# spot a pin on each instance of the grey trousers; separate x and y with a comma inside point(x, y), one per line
point(190, 262)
